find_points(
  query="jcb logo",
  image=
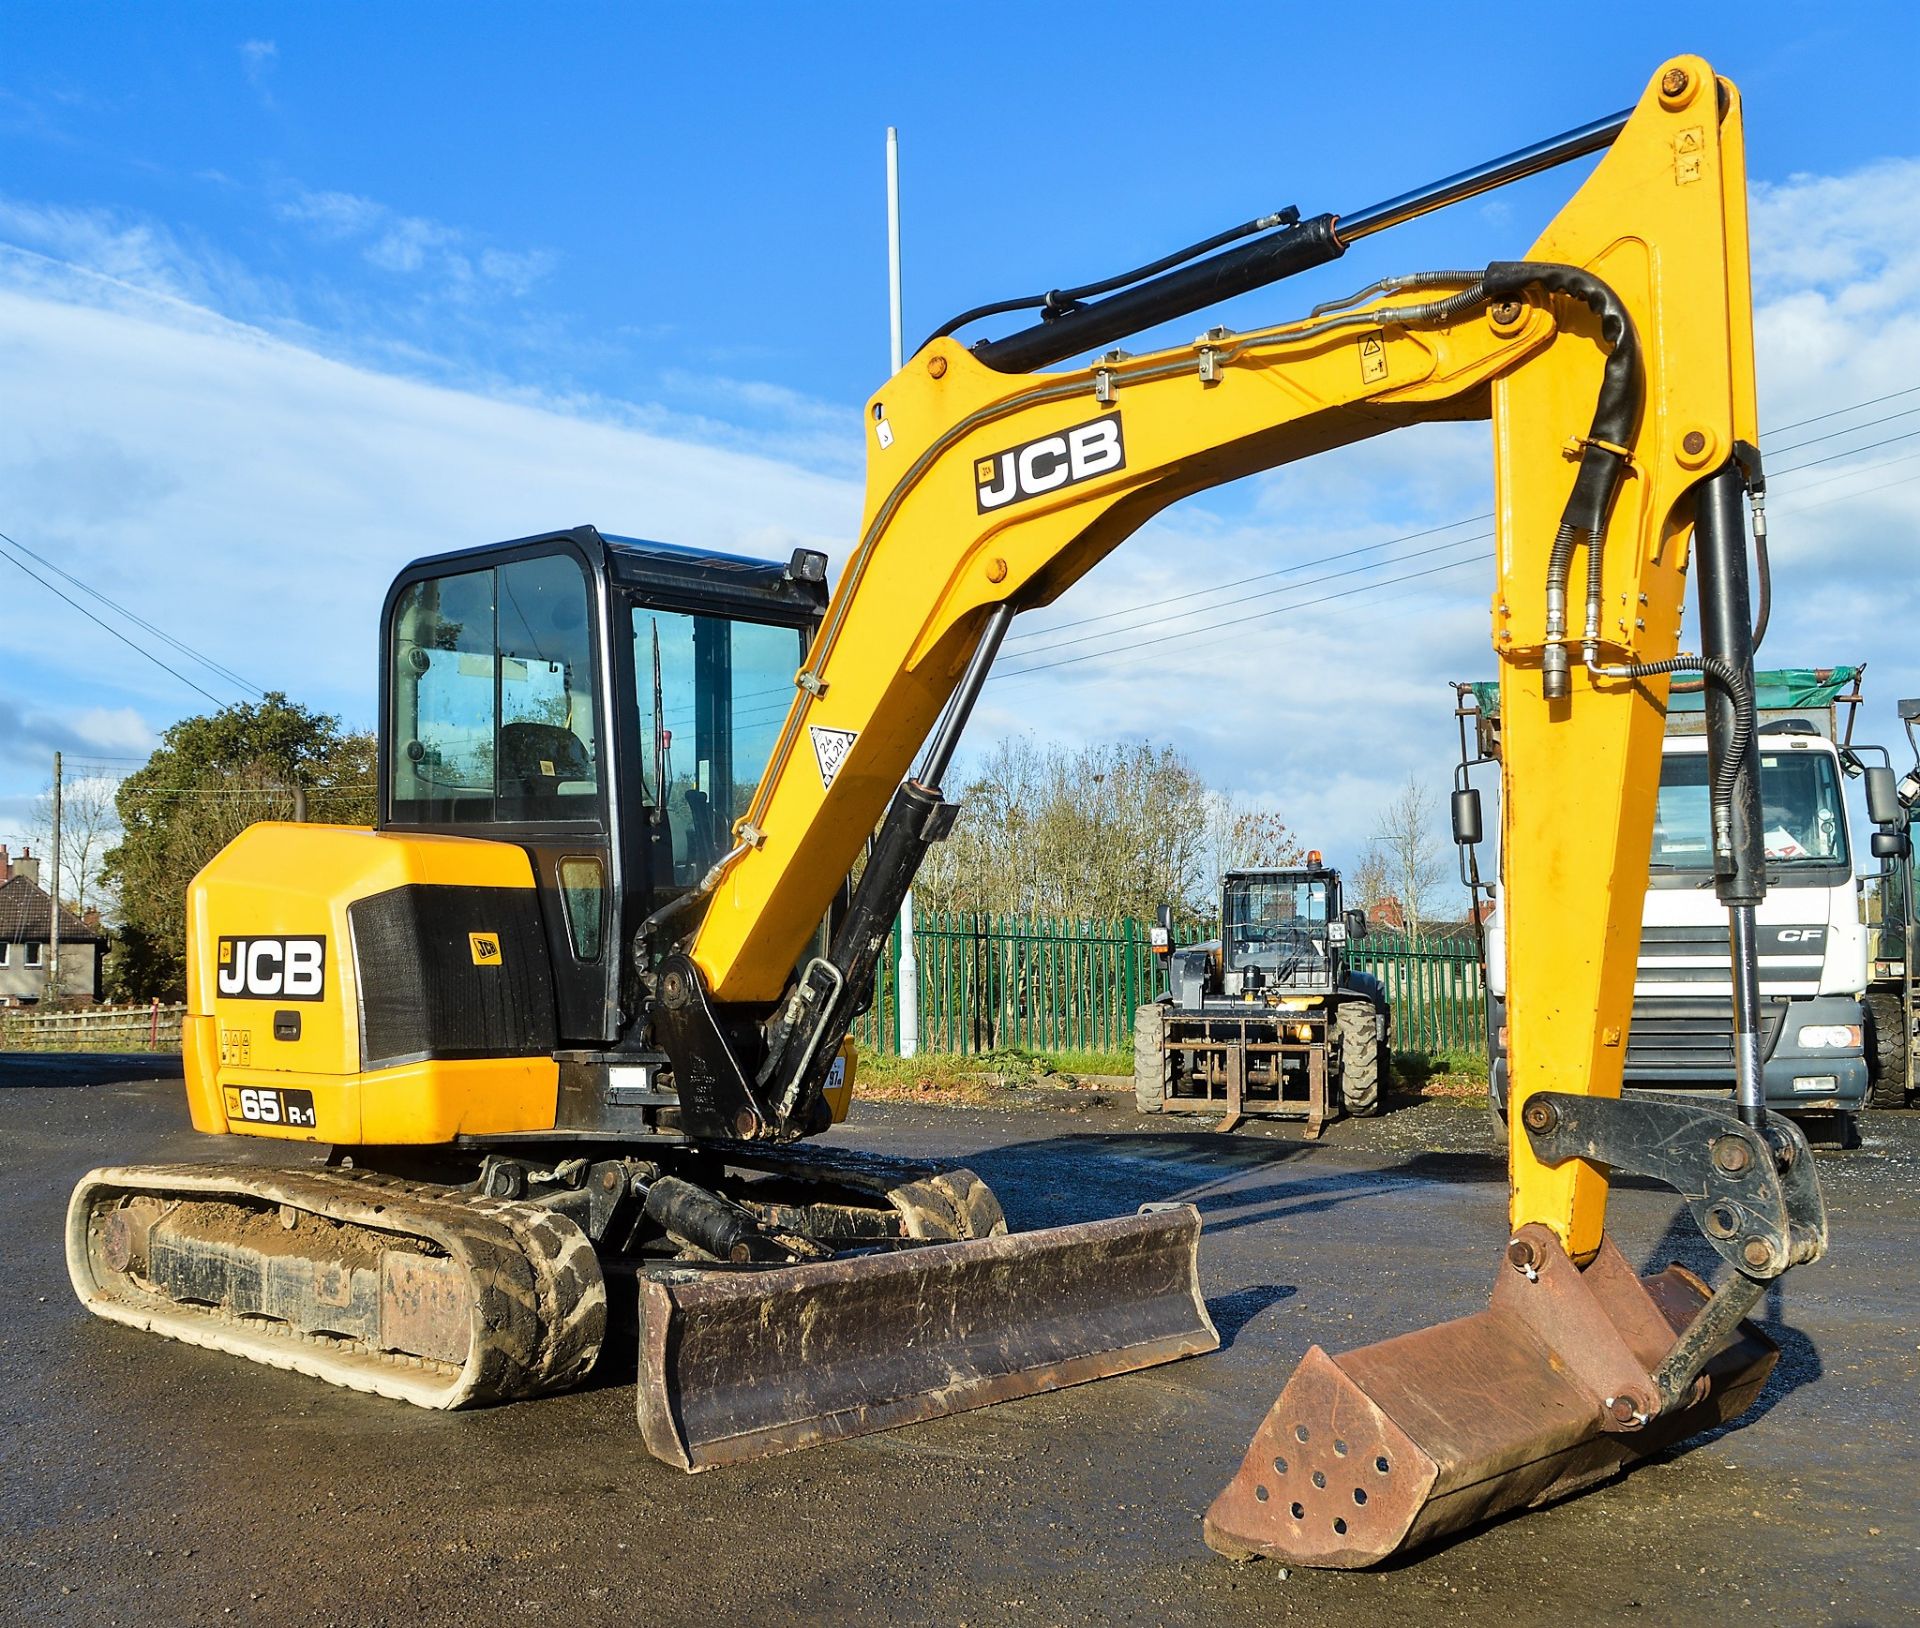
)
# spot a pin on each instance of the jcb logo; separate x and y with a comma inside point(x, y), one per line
point(1048, 464)
point(273, 969)
point(486, 949)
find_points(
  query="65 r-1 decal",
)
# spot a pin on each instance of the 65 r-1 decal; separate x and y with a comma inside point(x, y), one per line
point(268, 1105)
point(1035, 468)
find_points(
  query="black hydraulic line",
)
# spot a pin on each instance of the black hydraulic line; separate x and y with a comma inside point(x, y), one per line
point(1057, 302)
point(1071, 328)
point(1603, 454)
point(1726, 637)
point(1191, 288)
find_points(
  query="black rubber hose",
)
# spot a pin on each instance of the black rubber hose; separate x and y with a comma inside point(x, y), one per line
point(1616, 412)
point(1764, 608)
point(1058, 301)
point(1730, 679)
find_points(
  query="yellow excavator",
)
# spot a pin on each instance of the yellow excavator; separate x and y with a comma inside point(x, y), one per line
point(571, 1012)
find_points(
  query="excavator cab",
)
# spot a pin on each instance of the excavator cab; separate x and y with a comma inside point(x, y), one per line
point(605, 704)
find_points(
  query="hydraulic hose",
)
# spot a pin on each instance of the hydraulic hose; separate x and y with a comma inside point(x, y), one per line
point(1603, 454)
point(1727, 773)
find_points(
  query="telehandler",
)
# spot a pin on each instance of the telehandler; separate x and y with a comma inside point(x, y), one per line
point(573, 1004)
point(1271, 1020)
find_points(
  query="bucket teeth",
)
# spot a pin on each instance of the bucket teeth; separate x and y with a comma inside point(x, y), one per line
point(1547, 1392)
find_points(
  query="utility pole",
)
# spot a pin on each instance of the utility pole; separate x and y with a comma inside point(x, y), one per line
point(53, 889)
point(909, 978)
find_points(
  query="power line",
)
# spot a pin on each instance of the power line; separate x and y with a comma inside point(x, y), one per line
point(1849, 453)
point(1820, 418)
point(1885, 418)
point(1279, 610)
point(1132, 609)
point(108, 627)
point(1258, 576)
point(139, 621)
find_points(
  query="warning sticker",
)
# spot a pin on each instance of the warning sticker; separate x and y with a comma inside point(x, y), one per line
point(830, 748)
point(1373, 358)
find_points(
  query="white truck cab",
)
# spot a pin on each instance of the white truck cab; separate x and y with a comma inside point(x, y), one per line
point(1812, 942)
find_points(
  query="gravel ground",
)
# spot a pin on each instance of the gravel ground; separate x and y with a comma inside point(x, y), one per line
point(143, 1482)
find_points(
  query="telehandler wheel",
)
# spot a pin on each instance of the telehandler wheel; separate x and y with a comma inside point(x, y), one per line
point(1360, 1051)
point(1150, 1058)
point(1886, 1052)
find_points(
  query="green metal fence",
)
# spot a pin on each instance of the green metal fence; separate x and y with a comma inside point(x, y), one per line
point(991, 981)
point(1435, 987)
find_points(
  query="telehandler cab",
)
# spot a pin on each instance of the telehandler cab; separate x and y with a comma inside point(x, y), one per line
point(578, 997)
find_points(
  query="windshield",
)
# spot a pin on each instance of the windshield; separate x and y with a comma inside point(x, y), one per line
point(1276, 923)
point(1801, 819)
point(712, 696)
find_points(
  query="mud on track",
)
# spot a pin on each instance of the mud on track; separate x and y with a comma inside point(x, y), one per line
point(150, 1483)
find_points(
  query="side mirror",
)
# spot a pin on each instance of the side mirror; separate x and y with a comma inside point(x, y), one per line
point(1160, 935)
point(1356, 921)
point(1883, 797)
point(1466, 816)
point(1890, 845)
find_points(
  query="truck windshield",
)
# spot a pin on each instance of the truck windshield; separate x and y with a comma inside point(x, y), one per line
point(1276, 922)
point(1801, 817)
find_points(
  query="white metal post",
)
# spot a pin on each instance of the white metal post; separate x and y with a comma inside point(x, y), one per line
point(53, 890)
point(907, 986)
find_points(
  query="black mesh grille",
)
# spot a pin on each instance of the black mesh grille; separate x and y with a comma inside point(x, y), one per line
point(424, 994)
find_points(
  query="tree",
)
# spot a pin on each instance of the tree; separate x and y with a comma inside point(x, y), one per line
point(1369, 887)
point(1090, 833)
point(88, 826)
point(1410, 858)
point(1241, 836)
point(209, 779)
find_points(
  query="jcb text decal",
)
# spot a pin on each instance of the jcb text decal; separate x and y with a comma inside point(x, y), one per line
point(273, 969)
point(1048, 464)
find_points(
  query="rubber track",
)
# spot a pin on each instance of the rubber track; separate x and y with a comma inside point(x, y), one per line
point(539, 1302)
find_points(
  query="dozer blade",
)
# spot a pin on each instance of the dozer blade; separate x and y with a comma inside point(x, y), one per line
point(1547, 1392)
point(413, 1292)
point(742, 1365)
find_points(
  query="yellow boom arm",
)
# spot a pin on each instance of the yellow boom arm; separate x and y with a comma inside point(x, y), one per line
point(986, 489)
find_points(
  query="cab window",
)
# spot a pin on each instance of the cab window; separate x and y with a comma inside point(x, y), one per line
point(713, 695)
point(493, 697)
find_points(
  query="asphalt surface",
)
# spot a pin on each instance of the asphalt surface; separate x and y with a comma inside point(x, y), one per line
point(145, 1482)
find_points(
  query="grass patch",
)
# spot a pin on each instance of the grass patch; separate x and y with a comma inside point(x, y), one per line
point(981, 1078)
point(1441, 1073)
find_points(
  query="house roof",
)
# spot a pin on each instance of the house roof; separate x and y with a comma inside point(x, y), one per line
point(24, 913)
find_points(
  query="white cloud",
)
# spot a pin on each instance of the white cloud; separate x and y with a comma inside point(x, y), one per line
point(258, 59)
point(255, 499)
point(413, 246)
point(257, 496)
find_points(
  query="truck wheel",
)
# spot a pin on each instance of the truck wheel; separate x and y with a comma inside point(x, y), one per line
point(1150, 1058)
point(1886, 1039)
point(1359, 1058)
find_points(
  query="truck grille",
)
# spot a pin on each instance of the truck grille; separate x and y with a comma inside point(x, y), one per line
point(1687, 1039)
point(1694, 961)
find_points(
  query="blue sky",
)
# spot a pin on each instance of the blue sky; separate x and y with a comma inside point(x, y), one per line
point(290, 295)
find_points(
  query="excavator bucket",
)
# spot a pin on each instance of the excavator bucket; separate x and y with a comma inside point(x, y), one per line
point(1552, 1389)
point(738, 1365)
